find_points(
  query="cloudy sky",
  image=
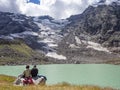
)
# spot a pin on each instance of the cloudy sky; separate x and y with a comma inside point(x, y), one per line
point(54, 8)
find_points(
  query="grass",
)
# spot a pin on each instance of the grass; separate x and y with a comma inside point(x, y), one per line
point(6, 83)
point(19, 53)
point(14, 53)
point(22, 48)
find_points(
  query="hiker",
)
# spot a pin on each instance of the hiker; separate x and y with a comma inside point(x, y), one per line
point(27, 76)
point(34, 71)
point(30, 77)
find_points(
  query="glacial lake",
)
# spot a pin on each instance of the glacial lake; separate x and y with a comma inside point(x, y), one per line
point(78, 74)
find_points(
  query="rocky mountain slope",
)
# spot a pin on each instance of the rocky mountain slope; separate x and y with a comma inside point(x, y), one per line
point(94, 35)
point(14, 52)
point(90, 37)
point(42, 34)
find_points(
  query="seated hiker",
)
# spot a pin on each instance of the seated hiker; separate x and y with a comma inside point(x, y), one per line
point(34, 71)
point(27, 76)
point(30, 77)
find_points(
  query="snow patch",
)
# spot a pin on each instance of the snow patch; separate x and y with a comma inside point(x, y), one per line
point(15, 35)
point(7, 37)
point(47, 40)
point(78, 41)
point(19, 35)
point(30, 33)
point(36, 19)
point(42, 27)
point(96, 46)
point(73, 46)
point(55, 55)
point(84, 42)
point(89, 44)
point(52, 45)
point(19, 20)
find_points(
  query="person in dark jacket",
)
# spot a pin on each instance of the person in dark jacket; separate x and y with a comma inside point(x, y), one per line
point(34, 71)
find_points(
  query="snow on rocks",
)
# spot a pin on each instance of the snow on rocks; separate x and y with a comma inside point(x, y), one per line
point(78, 41)
point(55, 55)
point(49, 33)
point(73, 46)
point(89, 44)
point(96, 46)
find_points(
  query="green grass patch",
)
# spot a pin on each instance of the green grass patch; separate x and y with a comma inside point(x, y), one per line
point(14, 53)
point(22, 48)
point(7, 79)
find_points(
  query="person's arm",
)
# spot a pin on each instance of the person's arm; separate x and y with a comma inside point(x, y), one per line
point(30, 74)
point(37, 71)
point(23, 74)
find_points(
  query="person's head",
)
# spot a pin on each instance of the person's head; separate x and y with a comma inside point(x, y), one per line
point(34, 66)
point(27, 66)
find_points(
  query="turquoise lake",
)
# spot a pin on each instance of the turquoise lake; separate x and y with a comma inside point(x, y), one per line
point(78, 74)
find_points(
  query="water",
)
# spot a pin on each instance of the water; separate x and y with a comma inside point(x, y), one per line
point(80, 74)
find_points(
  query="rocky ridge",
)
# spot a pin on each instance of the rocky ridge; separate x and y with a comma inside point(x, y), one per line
point(90, 37)
point(94, 35)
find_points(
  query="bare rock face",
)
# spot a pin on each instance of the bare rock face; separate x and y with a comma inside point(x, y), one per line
point(94, 35)
point(102, 23)
point(90, 37)
point(16, 23)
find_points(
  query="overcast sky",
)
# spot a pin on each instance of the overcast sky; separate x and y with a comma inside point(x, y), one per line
point(54, 8)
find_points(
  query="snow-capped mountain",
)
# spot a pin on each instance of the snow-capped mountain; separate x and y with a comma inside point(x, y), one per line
point(90, 37)
point(41, 33)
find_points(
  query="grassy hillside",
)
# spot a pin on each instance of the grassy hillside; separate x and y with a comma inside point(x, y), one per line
point(16, 52)
point(6, 83)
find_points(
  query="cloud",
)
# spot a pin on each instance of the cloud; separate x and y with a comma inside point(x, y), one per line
point(62, 8)
point(9, 6)
point(54, 8)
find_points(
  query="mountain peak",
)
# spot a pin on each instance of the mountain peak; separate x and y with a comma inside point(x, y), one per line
point(106, 2)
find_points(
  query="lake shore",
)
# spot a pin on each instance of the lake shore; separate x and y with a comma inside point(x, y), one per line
point(6, 83)
point(84, 74)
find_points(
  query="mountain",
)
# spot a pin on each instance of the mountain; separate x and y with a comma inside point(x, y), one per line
point(41, 34)
point(20, 22)
point(14, 52)
point(94, 35)
point(13, 26)
point(90, 37)
point(50, 34)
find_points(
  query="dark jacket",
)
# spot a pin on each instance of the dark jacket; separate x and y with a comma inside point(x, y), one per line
point(34, 72)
